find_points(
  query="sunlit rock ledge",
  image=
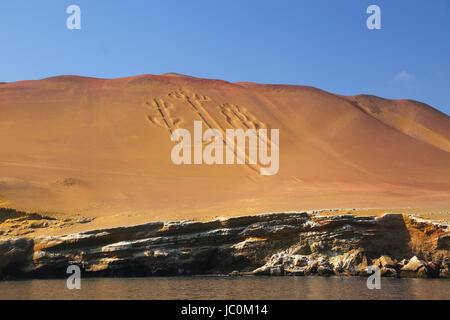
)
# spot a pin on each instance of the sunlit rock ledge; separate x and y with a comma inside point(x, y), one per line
point(274, 244)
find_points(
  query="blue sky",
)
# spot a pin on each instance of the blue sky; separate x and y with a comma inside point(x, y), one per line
point(322, 43)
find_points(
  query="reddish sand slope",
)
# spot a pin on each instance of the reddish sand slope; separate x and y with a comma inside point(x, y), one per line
point(100, 147)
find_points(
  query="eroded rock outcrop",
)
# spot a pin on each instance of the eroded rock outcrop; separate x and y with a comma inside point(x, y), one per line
point(270, 244)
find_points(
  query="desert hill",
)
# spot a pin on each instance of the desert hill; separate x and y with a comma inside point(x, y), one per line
point(101, 148)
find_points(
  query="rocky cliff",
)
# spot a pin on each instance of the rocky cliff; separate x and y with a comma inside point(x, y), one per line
point(268, 244)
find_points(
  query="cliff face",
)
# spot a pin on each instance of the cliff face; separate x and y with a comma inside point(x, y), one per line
point(269, 244)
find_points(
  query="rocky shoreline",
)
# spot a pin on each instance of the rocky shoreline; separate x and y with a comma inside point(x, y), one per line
point(276, 244)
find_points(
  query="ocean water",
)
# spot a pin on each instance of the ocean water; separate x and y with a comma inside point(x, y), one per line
point(278, 288)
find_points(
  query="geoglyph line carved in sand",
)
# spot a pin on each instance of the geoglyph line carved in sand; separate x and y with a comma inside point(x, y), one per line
point(160, 114)
point(240, 117)
point(244, 124)
point(195, 101)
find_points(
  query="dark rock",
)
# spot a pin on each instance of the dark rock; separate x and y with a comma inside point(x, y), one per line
point(269, 244)
point(262, 271)
point(302, 249)
point(353, 262)
point(277, 271)
point(384, 262)
point(388, 272)
point(412, 268)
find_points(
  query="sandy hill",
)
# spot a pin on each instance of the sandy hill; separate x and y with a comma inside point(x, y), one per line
point(97, 147)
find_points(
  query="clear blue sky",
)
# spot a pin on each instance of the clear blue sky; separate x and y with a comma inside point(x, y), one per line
point(322, 43)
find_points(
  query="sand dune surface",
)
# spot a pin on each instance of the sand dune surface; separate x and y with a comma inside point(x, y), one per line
point(102, 148)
